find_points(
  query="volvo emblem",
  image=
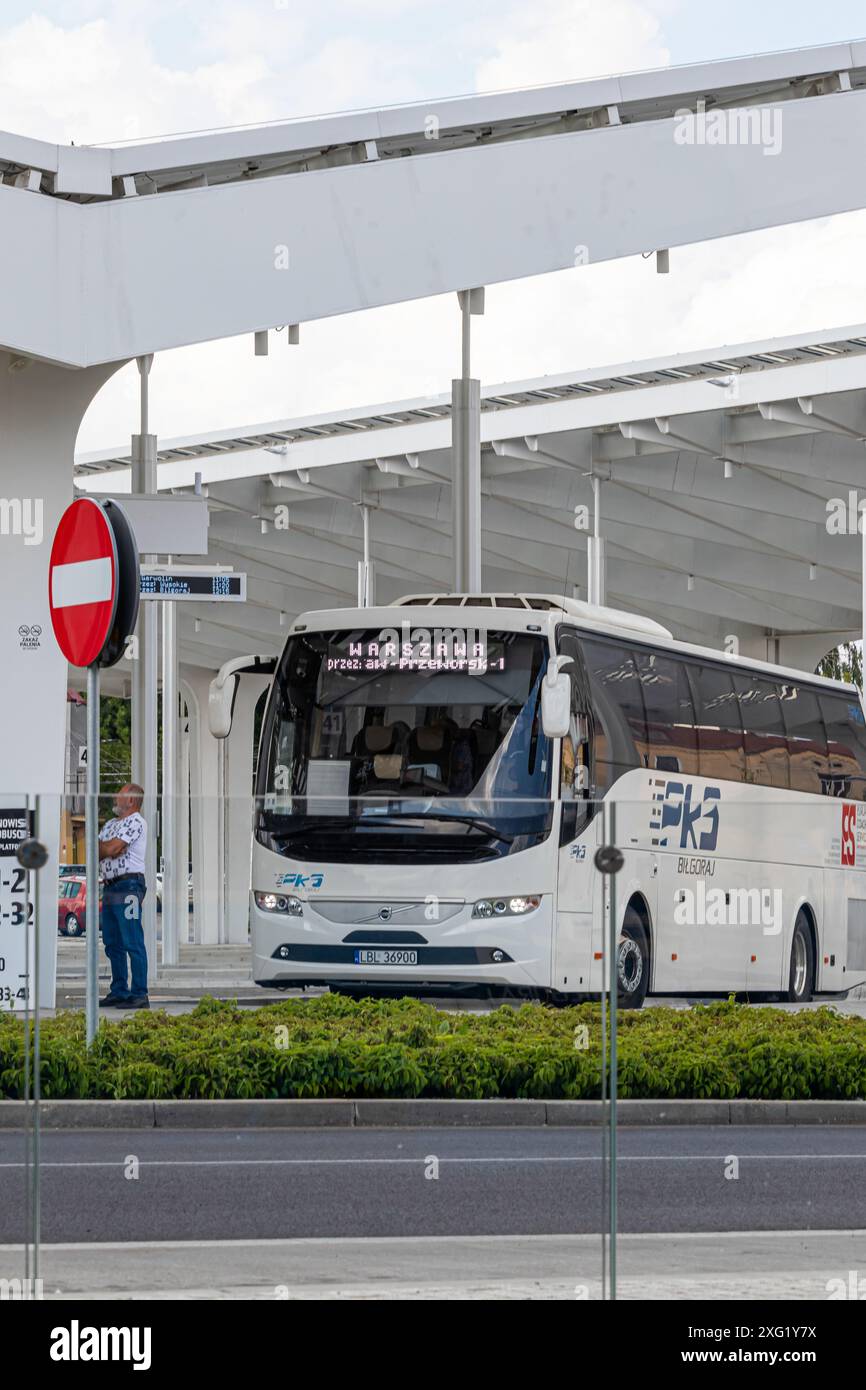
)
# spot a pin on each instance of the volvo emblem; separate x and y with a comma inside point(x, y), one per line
point(384, 914)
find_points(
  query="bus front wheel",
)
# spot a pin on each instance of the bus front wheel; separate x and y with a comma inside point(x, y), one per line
point(632, 962)
point(801, 976)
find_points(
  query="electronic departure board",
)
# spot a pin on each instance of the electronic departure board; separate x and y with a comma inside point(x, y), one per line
point(191, 584)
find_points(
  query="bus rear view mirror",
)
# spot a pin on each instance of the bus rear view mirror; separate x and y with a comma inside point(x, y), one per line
point(556, 699)
point(224, 688)
point(220, 704)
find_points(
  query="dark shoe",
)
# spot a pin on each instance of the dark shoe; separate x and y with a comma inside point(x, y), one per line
point(135, 1001)
point(112, 1001)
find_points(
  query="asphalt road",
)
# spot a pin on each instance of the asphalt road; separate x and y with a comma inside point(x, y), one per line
point(218, 1185)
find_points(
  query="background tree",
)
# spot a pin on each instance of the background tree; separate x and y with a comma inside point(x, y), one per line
point(844, 663)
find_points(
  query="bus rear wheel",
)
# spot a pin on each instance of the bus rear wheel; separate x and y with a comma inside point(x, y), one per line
point(632, 962)
point(801, 976)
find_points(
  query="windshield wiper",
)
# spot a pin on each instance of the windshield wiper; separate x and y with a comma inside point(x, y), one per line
point(306, 823)
point(397, 817)
point(393, 818)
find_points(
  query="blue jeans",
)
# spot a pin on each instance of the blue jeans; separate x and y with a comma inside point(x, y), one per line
point(123, 935)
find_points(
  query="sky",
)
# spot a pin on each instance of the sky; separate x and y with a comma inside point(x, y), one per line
point(111, 70)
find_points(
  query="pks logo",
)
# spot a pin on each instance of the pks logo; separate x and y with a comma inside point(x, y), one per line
point(300, 880)
point(674, 810)
point(849, 826)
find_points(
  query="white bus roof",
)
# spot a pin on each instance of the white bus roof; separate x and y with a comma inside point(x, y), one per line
point(538, 613)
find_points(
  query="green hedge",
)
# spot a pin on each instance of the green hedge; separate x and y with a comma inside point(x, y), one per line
point(333, 1046)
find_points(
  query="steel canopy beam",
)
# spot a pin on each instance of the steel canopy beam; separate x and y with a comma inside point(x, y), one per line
point(117, 277)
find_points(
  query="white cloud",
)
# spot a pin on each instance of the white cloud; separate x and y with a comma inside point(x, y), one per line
point(100, 82)
point(125, 74)
point(566, 40)
point(90, 84)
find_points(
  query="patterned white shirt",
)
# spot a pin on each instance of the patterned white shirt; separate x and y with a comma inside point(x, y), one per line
point(133, 830)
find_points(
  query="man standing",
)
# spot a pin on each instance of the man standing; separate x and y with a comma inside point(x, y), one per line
point(122, 848)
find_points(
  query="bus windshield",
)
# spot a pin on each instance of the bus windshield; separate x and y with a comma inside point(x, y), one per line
point(428, 731)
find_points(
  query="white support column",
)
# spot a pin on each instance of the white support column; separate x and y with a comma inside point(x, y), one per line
point(222, 837)
point(466, 458)
point(144, 677)
point(595, 560)
point(183, 826)
point(238, 810)
point(41, 408)
point(203, 755)
point(803, 653)
point(169, 784)
point(366, 573)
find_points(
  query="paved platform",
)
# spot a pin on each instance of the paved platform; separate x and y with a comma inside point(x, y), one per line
point(786, 1265)
point(221, 971)
point(224, 972)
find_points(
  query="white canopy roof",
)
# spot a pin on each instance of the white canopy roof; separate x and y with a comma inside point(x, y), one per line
point(129, 250)
point(718, 468)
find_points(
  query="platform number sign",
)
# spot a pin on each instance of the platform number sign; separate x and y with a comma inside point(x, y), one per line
point(16, 913)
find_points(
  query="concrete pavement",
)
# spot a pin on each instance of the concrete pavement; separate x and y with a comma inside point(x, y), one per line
point(311, 1113)
point(785, 1265)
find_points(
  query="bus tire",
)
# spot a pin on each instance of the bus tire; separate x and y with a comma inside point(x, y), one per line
point(801, 973)
point(632, 962)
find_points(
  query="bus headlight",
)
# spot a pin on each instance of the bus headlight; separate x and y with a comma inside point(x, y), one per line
point(505, 907)
point(278, 902)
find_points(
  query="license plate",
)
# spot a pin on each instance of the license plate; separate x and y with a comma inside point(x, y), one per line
point(386, 957)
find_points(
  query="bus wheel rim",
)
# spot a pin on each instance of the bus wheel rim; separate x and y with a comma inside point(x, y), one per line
point(799, 972)
point(629, 967)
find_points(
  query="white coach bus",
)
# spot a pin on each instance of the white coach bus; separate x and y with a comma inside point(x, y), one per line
point(430, 792)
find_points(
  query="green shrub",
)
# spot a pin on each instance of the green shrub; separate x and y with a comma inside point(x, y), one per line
point(334, 1046)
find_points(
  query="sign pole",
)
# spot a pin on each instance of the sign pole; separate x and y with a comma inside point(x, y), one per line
point(93, 595)
point(91, 840)
point(32, 856)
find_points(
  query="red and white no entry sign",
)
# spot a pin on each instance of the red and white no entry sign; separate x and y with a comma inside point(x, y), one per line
point(82, 581)
point(93, 593)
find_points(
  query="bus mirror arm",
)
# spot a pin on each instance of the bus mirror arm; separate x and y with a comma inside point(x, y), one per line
point(220, 705)
point(556, 698)
point(224, 686)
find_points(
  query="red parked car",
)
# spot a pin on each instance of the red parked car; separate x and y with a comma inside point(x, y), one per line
point(72, 905)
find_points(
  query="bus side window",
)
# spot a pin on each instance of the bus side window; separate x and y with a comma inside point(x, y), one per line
point(670, 719)
point(845, 740)
point(857, 730)
point(719, 726)
point(766, 742)
point(807, 739)
point(616, 710)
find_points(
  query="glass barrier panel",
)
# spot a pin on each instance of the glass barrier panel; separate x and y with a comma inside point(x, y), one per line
point(741, 939)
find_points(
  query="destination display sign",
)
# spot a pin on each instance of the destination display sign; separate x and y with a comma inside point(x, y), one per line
point(180, 584)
